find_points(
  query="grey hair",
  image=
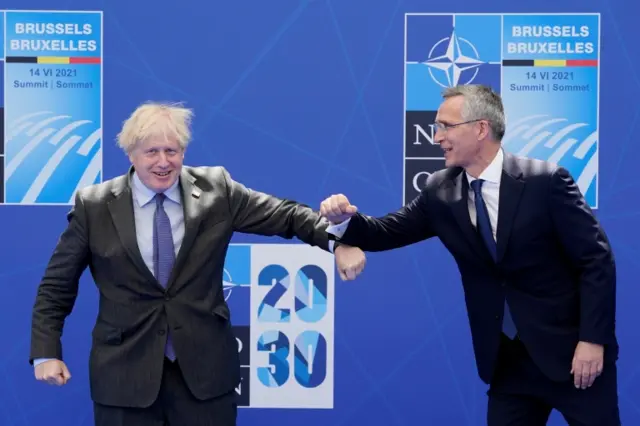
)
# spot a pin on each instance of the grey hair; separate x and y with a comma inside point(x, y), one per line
point(480, 103)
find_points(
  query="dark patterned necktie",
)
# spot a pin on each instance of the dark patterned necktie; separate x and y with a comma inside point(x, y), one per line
point(163, 254)
point(484, 226)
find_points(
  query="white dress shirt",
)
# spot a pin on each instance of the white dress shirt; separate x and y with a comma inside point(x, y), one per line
point(490, 191)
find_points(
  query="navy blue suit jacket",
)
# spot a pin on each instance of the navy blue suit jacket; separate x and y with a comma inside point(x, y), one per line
point(555, 266)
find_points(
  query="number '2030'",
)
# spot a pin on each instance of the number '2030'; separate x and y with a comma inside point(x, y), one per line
point(310, 346)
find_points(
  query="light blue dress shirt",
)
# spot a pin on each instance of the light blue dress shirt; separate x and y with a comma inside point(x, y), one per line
point(144, 208)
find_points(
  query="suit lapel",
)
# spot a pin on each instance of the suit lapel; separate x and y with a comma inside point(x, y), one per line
point(121, 209)
point(191, 204)
point(460, 207)
point(511, 186)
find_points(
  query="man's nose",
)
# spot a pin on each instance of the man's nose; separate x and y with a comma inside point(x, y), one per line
point(163, 159)
point(439, 136)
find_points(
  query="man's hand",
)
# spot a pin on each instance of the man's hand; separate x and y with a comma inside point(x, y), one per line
point(54, 372)
point(587, 364)
point(350, 261)
point(337, 209)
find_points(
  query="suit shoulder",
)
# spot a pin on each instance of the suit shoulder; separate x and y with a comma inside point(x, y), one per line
point(532, 167)
point(534, 170)
point(439, 177)
point(103, 191)
point(210, 174)
point(209, 178)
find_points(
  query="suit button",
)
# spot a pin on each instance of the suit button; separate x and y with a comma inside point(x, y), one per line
point(497, 317)
point(167, 297)
point(161, 332)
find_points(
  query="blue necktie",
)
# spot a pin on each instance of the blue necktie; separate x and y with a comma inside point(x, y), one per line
point(484, 226)
point(163, 254)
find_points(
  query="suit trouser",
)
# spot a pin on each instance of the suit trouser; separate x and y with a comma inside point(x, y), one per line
point(521, 395)
point(175, 406)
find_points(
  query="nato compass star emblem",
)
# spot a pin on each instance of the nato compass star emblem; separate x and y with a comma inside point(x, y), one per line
point(460, 59)
point(227, 284)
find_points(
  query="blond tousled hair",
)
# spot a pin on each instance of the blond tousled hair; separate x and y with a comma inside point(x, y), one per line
point(156, 119)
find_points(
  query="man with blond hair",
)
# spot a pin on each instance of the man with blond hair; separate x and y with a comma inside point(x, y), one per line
point(155, 240)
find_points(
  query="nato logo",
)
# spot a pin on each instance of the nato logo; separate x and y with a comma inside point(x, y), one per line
point(236, 287)
point(441, 51)
point(236, 283)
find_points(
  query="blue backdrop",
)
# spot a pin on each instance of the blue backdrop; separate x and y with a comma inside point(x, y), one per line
point(303, 99)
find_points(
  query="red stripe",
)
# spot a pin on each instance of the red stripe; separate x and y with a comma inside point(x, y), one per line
point(84, 60)
point(582, 63)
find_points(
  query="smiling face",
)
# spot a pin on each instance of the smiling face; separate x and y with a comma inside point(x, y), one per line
point(467, 142)
point(158, 162)
point(460, 143)
point(155, 137)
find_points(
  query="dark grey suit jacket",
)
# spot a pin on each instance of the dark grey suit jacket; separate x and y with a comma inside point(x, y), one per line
point(135, 311)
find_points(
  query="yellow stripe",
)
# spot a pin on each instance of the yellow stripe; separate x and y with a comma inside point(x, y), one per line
point(53, 60)
point(550, 63)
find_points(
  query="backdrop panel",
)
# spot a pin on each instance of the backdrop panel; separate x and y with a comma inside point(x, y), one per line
point(303, 99)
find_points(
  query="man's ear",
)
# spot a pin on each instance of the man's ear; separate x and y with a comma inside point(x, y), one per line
point(485, 130)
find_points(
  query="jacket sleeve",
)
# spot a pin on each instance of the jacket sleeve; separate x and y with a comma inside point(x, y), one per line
point(255, 212)
point(410, 224)
point(58, 289)
point(589, 249)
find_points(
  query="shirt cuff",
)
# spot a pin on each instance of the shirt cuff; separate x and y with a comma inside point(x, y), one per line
point(339, 229)
point(40, 361)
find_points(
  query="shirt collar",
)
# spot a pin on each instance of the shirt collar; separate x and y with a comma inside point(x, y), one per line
point(144, 195)
point(493, 172)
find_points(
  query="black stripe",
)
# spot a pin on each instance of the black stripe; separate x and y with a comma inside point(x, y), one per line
point(22, 59)
point(517, 62)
